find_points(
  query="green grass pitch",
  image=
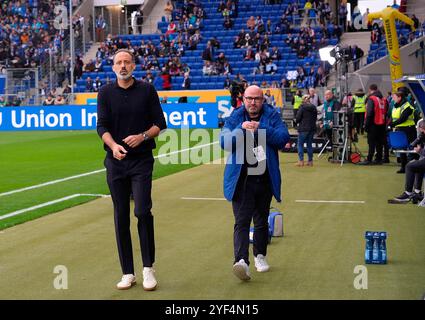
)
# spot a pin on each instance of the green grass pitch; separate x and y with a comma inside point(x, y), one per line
point(316, 258)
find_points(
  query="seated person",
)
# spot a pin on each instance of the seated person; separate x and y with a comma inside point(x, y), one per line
point(49, 101)
point(228, 23)
point(415, 170)
point(98, 65)
point(90, 66)
point(270, 67)
point(89, 84)
point(59, 100)
point(97, 84)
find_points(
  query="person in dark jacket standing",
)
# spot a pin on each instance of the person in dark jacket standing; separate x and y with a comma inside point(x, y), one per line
point(129, 118)
point(306, 120)
point(375, 125)
point(252, 134)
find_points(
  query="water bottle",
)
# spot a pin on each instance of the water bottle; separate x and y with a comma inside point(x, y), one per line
point(375, 248)
point(383, 247)
point(368, 249)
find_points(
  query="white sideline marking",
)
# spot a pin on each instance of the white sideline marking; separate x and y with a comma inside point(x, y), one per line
point(45, 204)
point(96, 171)
point(50, 182)
point(329, 201)
point(191, 198)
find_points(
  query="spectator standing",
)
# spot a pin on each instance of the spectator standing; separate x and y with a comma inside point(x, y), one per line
point(306, 121)
point(186, 81)
point(100, 28)
point(168, 10)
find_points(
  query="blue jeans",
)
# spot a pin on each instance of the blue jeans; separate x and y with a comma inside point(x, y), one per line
point(305, 137)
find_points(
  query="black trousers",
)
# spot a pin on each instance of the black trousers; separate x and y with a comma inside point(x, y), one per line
point(376, 139)
point(251, 201)
point(414, 174)
point(123, 177)
point(359, 122)
point(295, 117)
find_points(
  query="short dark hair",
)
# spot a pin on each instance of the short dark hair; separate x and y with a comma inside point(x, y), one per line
point(373, 87)
point(133, 59)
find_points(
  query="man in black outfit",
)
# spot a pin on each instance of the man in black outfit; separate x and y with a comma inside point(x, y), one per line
point(129, 118)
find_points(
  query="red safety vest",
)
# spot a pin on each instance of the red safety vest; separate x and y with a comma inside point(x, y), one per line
point(380, 110)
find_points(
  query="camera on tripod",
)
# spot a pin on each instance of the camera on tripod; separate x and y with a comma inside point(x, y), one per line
point(341, 53)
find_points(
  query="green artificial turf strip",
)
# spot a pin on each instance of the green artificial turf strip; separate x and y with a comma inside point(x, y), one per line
point(315, 259)
point(31, 158)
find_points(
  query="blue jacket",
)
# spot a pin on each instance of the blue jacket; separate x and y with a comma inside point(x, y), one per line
point(276, 137)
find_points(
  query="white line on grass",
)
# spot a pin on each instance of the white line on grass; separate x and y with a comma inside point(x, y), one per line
point(213, 199)
point(96, 171)
point(329, 201)
point(51, 182)
point(45, 204)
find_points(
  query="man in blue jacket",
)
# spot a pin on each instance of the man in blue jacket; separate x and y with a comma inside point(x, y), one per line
point(253, 135)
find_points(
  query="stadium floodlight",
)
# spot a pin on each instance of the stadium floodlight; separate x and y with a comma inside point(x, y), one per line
point(328, 54)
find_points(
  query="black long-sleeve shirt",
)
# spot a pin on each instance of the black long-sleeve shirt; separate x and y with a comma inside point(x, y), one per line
point(123, 112)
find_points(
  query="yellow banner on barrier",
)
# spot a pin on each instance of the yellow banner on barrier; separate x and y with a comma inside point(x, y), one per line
point(193, 96)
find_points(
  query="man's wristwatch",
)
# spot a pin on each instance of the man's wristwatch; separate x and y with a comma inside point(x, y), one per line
point(145, 136)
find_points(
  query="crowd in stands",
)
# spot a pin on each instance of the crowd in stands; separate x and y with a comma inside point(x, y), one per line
point(30, 37)
point(183, 33)
point(406, 33)
point(27, 32)
point(377, 34)
point(259, 48)
point(185, 24)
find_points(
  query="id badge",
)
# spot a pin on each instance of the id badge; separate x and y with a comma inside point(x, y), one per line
point(259, 153)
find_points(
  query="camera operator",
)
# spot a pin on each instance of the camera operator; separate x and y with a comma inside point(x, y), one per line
point(330, 105)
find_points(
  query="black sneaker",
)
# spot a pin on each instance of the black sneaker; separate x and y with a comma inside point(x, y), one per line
point(401, 171)
point(417, 197)
point(404, 197)
point(376, 162)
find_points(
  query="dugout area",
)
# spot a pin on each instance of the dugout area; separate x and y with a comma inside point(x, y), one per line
point(316, 258)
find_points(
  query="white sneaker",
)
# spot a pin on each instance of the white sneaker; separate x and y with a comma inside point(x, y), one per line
point(261, 263)
point(127, 281)
point(241, 270)
point(149, 281)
